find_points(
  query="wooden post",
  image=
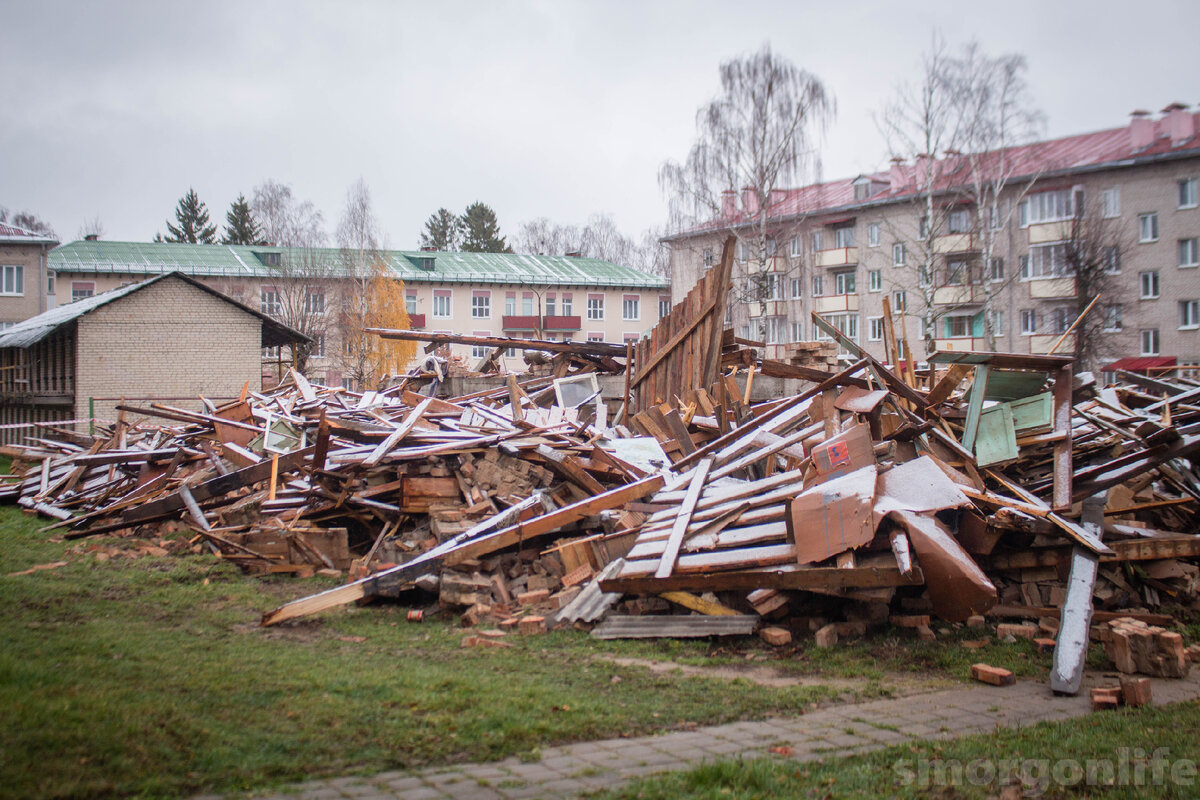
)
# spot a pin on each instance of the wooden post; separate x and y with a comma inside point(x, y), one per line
point(628, 370)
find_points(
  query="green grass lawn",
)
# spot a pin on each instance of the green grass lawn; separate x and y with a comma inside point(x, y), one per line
point(972, 767)
point(150, 677)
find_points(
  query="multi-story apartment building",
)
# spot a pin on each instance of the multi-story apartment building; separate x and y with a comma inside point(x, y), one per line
point(839, 248)
point(24, 290)
point(479, 294)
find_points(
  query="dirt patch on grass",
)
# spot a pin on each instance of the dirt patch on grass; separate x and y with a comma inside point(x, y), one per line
point(766, 675)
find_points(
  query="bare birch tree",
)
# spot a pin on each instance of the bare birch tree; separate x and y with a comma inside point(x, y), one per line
point(756, 138)
point(1092, 252)
point(958, 125)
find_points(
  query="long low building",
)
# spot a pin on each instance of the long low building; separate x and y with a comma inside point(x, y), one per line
point(481, 294)
point(167, 339)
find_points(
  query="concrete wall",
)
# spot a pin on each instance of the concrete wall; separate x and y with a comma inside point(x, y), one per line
point(169, 340)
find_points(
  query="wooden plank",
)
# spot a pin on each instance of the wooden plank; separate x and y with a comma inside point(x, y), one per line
point(784, 576)
point(1070, 650)
point(699, 604)
point(675, 540)
point(555, 520)
point(393, 439)
point(576, 348)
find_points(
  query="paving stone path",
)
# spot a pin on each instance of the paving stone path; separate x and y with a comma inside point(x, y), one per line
point(574, 770)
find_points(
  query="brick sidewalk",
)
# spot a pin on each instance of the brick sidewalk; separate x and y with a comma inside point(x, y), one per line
point(569, 771)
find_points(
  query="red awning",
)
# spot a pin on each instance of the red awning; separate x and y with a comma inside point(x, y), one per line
point(1143, 364)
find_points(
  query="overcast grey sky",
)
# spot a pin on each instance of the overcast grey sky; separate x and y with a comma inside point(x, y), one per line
point(556, 109)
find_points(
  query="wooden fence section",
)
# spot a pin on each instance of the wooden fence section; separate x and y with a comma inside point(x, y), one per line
point(683, 350)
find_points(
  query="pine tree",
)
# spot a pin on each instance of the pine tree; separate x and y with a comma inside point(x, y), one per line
point(192, 216)
point(240, 225)
point(443, 231)
point(481, 231)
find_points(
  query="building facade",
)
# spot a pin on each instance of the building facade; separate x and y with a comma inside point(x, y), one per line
point(841, 248)
point(26, 289)
point(482, 294)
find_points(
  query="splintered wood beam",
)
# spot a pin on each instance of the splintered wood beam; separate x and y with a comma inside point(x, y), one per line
point(683, 519)
point(784, 576)
point(395, 436)
point(1066, 674)
point(553, 521)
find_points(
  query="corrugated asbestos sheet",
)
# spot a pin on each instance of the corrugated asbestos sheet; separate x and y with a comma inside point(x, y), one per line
point(590, 604)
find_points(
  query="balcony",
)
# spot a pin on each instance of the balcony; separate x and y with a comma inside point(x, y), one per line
point(558, 323)
point(1051, 288)
point(416, 321)
point(837, 257)
point(959, 343)
point(958, 295)
point(1049, 232)
point(1042, 342)
point(956, 243)
point(835, 304)
point(520, 323)
point(766, 308)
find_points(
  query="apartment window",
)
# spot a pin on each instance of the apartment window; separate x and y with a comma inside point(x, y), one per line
point(923, 229)
point(1189, 314)
point(1149, 337)
point(1148, 227)
point(996, 214)
point(664, 305)
point(595, 306)
point(996, 270)
point(898, 254)
point(797, 331)
point(874, 329)
point(775, 330)
point(997, 321)
point(1058, 320)
point(410, 303)
point(551, 305)
point(844, 236)
point(958, 326)
point(631, 308)
point(956, 273)
point(774, 286)
point(1112, 260)
point(794, 247)
point(874, 280)
point(442, 300)
point(268, 300)
point(1048, 207)
point(314, 301)
point(1112, 318)
point(797, 288)
point(1028, 321)
point(1188, 255)
point(318, 345)
point(959, 221)
point(50, 281)
point(568, 304)
point(816, 241)
point(1187, 193)
point(595, 336)
point(631, 338)
point(480, 350)
point(847, 324)
point(708, 257)
point(12, 280)
point(769, 246)
point(1110, 202)
point(873, 234)
point(818, 286)
point(899, 301)
point(481, 305)
point(844, 283)
point(527, 304)
point(742, 251)
point(510, 304)
point(272, 353)
point(1046, 261)
point(1148, 281)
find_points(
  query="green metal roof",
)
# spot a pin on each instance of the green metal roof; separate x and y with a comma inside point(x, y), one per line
point(255, 262)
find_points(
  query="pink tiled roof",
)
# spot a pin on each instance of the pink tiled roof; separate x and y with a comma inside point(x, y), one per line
point(8, 230)
point(1055, 156)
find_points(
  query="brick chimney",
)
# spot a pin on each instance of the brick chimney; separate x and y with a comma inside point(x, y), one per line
point(1180, 124)
point(898, 176)
point(1141, 130)
point(425, 248)
point(921, 168)
point(749, 200)
point(728, 203)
